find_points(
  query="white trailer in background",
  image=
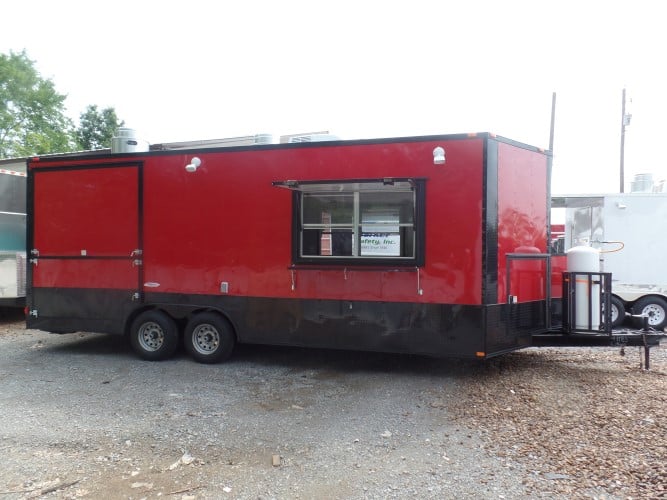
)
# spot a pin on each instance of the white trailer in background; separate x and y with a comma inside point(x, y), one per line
point(12, 233)
point(630, 229)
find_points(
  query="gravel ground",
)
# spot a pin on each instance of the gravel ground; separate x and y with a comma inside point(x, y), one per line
point(82, 417)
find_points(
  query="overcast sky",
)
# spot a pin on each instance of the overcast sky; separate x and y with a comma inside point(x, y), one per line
point(189, 70)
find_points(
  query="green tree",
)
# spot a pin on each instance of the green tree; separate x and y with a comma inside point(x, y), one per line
point(96, 128)
point(32, 112)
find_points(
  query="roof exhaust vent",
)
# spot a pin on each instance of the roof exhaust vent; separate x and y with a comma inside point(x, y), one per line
point(642, 183)
point(126, 141)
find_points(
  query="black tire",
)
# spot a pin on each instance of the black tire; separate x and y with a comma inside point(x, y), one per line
point(209, 338)
point(617, 311)
point(154, 335)
point(656, 310)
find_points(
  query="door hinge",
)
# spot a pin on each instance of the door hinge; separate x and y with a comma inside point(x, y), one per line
point(34, 261)
point(136, 296)
point(136, 253)
point(33, 313)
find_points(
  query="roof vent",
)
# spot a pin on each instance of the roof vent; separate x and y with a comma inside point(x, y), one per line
point(309, 137)
point(642, 183)
point(126, 141)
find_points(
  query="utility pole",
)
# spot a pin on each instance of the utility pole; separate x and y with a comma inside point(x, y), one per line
point(553, 121)
point(625, 121)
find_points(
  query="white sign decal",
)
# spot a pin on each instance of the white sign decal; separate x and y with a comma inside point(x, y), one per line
point(386, 244)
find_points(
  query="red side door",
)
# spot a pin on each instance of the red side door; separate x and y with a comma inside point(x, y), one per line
point(86, 238)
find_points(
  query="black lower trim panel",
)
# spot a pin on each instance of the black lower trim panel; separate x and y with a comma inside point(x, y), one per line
point(441, 330)
point(63, 310)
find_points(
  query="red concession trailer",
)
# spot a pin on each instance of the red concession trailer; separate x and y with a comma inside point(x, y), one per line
point(430, 245)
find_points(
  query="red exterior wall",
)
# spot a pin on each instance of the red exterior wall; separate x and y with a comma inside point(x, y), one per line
point(227, 223)
point(522, 221)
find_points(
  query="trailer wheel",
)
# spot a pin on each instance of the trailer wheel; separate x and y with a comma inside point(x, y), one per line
point(209, 338)
point(154, 335)
point(617, 311)
point(656, 310)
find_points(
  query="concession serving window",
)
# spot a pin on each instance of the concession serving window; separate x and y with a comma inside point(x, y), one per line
point(374, 221)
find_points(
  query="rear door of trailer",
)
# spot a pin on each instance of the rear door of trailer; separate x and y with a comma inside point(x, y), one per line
point(85, 236)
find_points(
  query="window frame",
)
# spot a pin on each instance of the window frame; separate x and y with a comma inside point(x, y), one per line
point(356, 186)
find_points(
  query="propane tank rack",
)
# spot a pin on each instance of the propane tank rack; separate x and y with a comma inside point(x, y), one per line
point(587, 302)
point(587, 318)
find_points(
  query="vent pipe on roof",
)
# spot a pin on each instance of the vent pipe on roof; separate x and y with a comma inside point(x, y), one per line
point(126, 141)
point(642, 183)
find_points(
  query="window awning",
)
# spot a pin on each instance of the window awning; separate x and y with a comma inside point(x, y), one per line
point(349, 186)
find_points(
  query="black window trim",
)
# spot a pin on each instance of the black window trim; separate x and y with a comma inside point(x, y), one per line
point(419, 186)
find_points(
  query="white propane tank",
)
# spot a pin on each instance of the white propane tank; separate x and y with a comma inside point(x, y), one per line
point(583, 259)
